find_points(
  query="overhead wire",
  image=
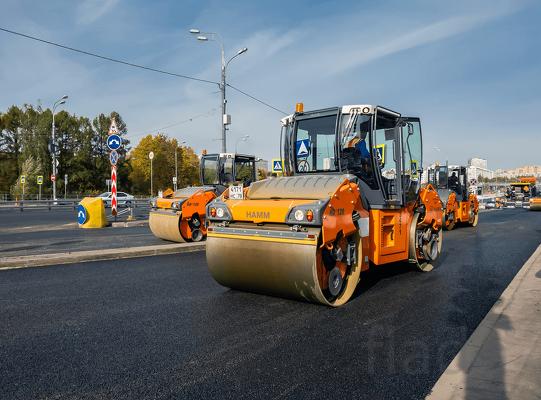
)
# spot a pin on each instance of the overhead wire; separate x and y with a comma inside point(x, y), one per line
point(130, 64)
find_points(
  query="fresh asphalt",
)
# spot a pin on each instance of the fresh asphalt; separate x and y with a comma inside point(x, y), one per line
point(12, 218)
point(160, 327)
point(33, 232)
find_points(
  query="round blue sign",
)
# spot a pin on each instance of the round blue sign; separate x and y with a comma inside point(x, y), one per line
point(113, 157)
point(81, 214)
point(114, 142)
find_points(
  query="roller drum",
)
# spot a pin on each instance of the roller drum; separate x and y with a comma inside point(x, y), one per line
point(166, 225)
point(275, 268)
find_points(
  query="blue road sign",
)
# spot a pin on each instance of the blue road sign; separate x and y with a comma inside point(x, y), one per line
point(277, 165)
point(302, 147)
point(114, 142)
point(81, 214)
point(113, 157)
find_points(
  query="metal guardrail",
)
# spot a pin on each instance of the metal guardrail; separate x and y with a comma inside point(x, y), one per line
point(21, 205)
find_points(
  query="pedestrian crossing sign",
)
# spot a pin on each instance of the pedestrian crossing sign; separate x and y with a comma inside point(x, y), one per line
point(277, 165)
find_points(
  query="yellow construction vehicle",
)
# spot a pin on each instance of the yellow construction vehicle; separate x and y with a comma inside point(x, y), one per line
point(351, 199)
point(180, 216)
point(519, 192)
point(460, 204)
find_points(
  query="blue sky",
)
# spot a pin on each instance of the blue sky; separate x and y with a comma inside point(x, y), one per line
point(469, 69)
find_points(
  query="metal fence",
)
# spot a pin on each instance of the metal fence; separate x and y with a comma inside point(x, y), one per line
point(22, 205)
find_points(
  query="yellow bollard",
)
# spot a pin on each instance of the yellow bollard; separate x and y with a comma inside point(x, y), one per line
point(91, 213)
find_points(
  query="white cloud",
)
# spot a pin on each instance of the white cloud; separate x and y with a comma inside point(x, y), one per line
point(89, 11)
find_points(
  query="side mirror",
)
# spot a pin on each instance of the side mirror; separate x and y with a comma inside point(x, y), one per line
point(410, 129)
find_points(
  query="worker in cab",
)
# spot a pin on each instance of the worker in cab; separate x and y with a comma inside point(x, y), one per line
point(453, 182)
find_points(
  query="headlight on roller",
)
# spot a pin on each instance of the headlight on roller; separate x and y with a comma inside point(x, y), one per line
point(307, 214)
point(217, 211)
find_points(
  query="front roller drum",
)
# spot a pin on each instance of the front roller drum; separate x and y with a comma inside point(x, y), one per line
point(279, 268)
point(166, 225)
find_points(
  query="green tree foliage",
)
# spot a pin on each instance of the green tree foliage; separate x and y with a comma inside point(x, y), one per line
point(81, 143)
point(163, 164)
point(30, 169)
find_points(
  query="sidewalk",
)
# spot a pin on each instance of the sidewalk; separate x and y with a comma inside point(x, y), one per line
point(502, 358)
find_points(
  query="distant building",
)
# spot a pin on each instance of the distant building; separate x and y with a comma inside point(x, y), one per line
point(527, 170)
point(478, 167)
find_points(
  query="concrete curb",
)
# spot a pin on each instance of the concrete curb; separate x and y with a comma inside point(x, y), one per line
point(42, 260)
point(450, 383)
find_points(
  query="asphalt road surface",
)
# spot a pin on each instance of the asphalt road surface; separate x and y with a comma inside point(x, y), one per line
point(13, 219)
point(162, 328)
point(42, 231)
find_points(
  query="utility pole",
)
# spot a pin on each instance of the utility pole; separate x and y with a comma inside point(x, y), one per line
point(225, 118)
point(57, 103)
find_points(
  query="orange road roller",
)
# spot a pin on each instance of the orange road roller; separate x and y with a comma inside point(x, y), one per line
point(535, 204)
point(351, 200)
point(460, 204)
point(180, 216)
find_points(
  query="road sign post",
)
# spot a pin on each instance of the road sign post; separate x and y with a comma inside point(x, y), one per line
point(65, 186)
point(39, 180)
point(23, 181)
point(113, 192)
point(114, 142)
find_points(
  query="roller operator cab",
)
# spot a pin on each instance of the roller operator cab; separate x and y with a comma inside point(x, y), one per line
point(459, 202)
point(180, 216)
point(351, 199)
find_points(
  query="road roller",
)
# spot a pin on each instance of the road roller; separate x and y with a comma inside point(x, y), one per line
point(460, 203)
point(521, 191)
point(179, 216)
point(535, 204)
point(350, 199)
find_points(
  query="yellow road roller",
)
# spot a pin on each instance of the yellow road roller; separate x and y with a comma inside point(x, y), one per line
point(351, 199)
point(460, 204)
point(180, 216)
point(535, 204)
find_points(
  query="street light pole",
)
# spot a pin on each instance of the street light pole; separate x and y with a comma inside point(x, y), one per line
point(151, 157)
point(60, 101)
point(225, 119)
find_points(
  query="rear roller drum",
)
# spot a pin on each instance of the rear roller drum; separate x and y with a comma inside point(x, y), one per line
point(425, 245)
point(473, 217)
point(449, 221)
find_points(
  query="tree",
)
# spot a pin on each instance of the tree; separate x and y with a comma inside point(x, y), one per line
point(30, 169)
point(163, 164)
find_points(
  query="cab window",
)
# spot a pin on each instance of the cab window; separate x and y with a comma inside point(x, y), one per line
point(412, 158)
point(386, 140)
point(244, 168)
point(355, 155)
point(210, 171)
point(314, 145)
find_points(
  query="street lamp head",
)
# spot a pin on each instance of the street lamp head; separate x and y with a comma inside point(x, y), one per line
point(203, 38)
point(62, 102)
point(195, 31)
point(243, 50)
point(64, 97)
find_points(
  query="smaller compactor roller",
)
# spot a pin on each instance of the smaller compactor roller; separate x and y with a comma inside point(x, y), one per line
point(180, 216)
point(351, 200)
point(460, 204)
